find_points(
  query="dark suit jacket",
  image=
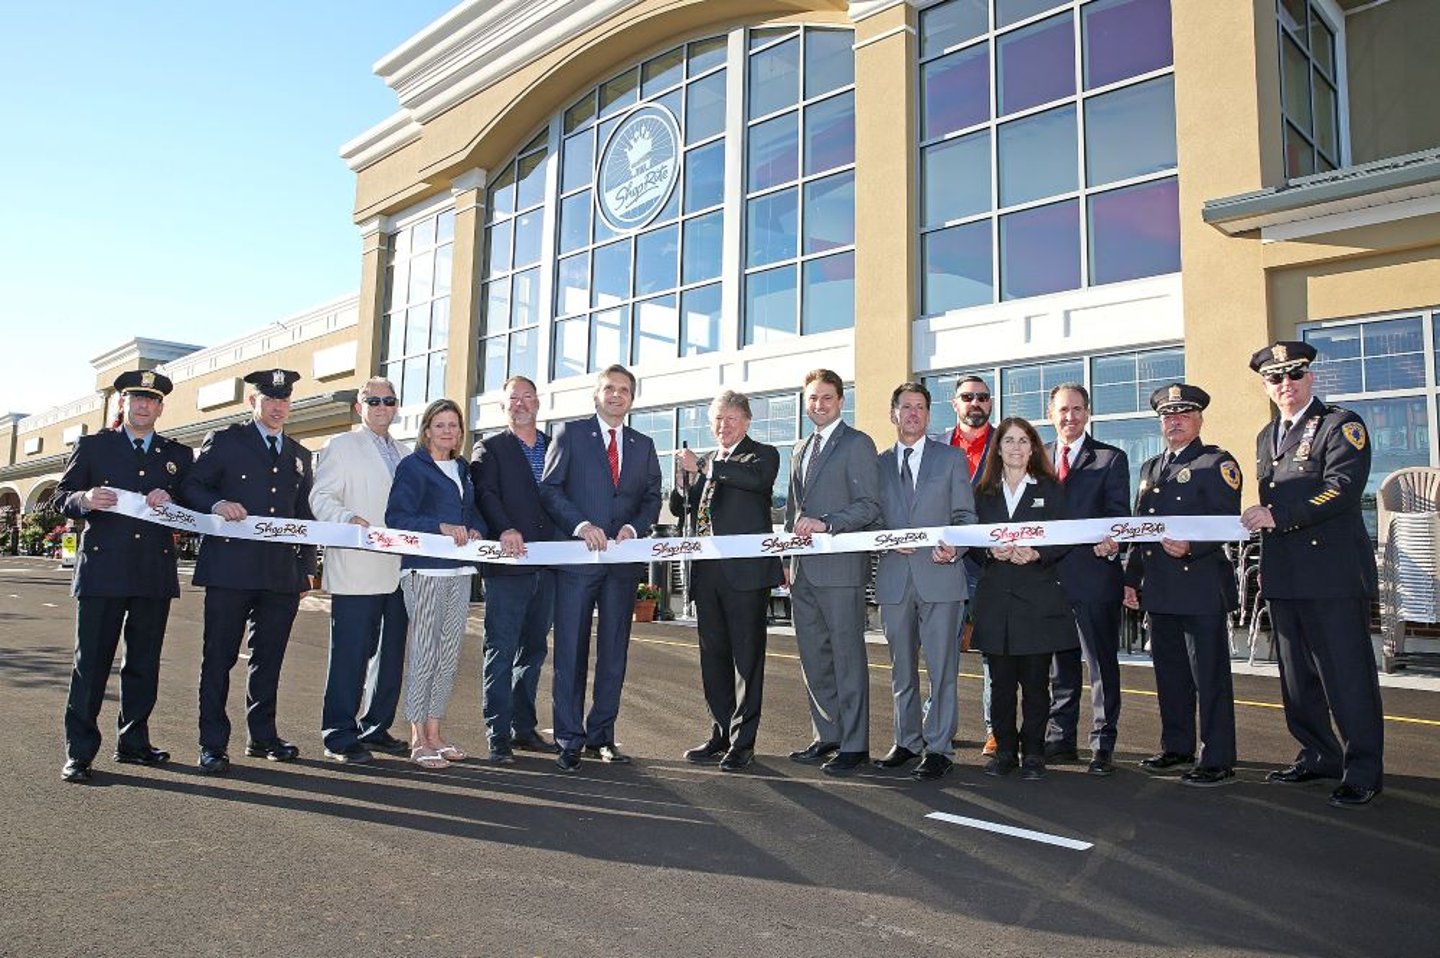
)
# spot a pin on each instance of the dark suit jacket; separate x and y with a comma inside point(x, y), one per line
point(577, 487)
point(1319, 547)
point(740, 505)
point(509, 496)
point(1023, 609)
point(234, 464)
point(120, 556)
point(1098, 487)
point(422, 496)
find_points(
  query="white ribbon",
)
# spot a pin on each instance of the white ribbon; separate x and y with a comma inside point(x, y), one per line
point(344, 535)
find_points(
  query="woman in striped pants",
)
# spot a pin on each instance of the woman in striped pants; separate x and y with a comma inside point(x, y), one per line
point(432, 492)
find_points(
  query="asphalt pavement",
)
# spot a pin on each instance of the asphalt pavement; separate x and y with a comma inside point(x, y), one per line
point(664, 858)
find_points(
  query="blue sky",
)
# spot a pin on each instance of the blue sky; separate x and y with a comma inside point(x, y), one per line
point(170, 170)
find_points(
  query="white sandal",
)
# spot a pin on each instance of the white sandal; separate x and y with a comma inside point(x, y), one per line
point(428, 758)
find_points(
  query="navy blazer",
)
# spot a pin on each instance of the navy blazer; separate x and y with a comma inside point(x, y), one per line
point(234, 464)
point(121, 556)
point(509, 496)
point(1097, 487)
point(422, 496)
point(576, 486)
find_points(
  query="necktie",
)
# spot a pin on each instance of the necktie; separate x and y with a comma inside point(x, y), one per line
point(613, 452)
point(811, 459)
point(1064, 463)
point(1284, 428)
point(703, 522)
point(140, 446)
point(274, 448)
point(907, 480)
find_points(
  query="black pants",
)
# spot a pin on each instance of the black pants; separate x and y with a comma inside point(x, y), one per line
point(1030, 674)
point(731, 624)
point(1100, 643)
point(99, 622)
point(1191, 654)
point(228, 612)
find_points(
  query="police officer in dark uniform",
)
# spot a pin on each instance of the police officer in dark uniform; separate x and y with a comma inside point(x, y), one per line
point(1187, 590)
point(124, 573)
point(250, 469)
point(1317, 572)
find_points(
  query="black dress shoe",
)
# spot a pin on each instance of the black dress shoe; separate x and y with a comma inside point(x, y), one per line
point(1000, 765)
point(356, 754)
point(214, 762)
point(736, 759)
point(534, 743)
point(608, 754)
point(931, 767)
point(1207, 776)
point(502, 754)
point(815, 753)
point(1294, 775)
point(146, 755)
point(1352, 796)
point(1102, 763)
point(897, 757)
point(385, 742)
point(568, 759)
point(76, 771)
point(1032, 769)
point(275, 749)
point(711, 751)
point(1161, 761)
point(1058, 753)
point(845, 762)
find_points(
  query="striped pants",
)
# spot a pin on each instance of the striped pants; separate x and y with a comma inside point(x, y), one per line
point(438, 607)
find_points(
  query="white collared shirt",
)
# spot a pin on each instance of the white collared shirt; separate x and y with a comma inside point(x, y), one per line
point(824, 435)
point(915, 457)
point(1075, 448)
point(1012, 499)
point(605, 428)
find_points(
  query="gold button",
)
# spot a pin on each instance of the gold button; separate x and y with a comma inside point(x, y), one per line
point(1186, 568)
point(141, 472)
point(272, 490)
point(242, 475)
point(137, 535)
point(1314, 543)
point(272, 509)
point(1152, 510)
point(274, 469)
point(1272, 485)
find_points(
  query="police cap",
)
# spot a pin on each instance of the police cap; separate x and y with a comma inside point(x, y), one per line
point(1178, 397)
point(145, 382)
point(1282, 356)
point(275, 383)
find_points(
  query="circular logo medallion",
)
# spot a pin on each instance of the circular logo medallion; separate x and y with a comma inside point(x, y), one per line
point(638, 168)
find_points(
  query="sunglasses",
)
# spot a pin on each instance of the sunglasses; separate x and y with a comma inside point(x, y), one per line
point(1295, 374)
point(974, 397)
point(380, 400)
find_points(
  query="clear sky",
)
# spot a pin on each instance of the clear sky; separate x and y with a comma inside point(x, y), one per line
point(170, 169)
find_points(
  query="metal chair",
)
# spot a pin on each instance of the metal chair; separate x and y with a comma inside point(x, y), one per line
point(1408, 528)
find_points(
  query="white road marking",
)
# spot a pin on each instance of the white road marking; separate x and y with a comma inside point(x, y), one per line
point(49, 605)
point(1012, 831)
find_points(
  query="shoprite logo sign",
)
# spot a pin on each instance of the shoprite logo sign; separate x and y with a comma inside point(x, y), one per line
point(639, 167)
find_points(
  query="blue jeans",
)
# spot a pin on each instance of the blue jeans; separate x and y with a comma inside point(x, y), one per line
point(363, 628)
point(518, 613)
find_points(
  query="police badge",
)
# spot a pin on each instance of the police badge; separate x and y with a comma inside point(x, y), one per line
point(1230, 472)
point(299, 467)
point(170, 468)
point(1183, 475)
point(1354, 433)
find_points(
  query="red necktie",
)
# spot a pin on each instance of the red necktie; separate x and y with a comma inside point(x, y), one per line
point(1064, 463)
point(613, 452)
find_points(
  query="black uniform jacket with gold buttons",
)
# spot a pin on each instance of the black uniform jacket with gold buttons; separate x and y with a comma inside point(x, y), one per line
point(1319, 548)
point(1200, 481)
point(235, 465)
point(120, 556)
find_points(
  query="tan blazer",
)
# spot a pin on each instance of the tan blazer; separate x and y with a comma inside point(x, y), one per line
point(351, 480)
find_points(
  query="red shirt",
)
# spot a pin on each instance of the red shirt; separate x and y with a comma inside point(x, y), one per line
point(974, 448)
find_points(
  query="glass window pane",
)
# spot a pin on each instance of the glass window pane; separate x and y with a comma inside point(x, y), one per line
point(423, 234)
point(1293, 14)
point(770, 305)
point(947, 24)
point(1337, 363)
point(662, 72)
point(525, 353)
point(1130, 131)
point(399, 283)
point(1037, 156)
point(1299, 156)
point(572, 341)
point(445, 227)
point(436, 388)
point(1013, 11)
point(1326, 113)
point(1113, 384)
point(955, 91)
point(1394, 354)
point(657, 258)
point(440, 323)
point(705, 107)
point(394, 335)
point(444, 264)
point(700, 320)
point(492, 363)
point(417, 329)
point(771, 225)
point(422, 273)
point(1399, 435)
point(1040, 250)
point(575, 221)
point(1125, 38)
point(497, 307)
point(773, 152)
point(531, 189)
point(497, 237)
point(1035, 64)
point(1295, 80)
point(502, 193)
point(829, 61)
point(828, 299)
point(579, 165)
point(774, 78)
point(1025, 390)
point(412, 391)
point(694, 427)
point(759, 36)
point(956, 178)
point(528, 237)
point(703, 247)
point(830, 212)
point(580, 114)
point(830, 133)
point(610, 274)
point(1322, 43)
point(525, 304)
point(705, 54)
point(957, 264)
point(705, 177)
point(1135, 232)
point(572, 285)
point(656, 330)
point(609, 337)
point(1139, 438)
point(617, 94)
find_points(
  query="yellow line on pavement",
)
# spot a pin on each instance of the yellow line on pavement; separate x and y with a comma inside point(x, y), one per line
point(881, 666)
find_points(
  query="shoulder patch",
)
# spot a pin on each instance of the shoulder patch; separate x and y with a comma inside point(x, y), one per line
point(1354, 433)
point(1230, 472)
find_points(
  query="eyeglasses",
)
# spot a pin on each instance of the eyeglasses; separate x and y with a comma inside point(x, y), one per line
point(974, 397)
point(380, 400)
point(1295, 374)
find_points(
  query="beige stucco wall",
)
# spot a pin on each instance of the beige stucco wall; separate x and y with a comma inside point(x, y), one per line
point(1393, 60)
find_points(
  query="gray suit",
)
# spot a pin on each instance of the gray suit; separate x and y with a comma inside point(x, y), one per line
point(923, 602)
point(827, 592)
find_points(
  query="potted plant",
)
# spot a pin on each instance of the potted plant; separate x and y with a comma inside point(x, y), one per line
point(646, 595)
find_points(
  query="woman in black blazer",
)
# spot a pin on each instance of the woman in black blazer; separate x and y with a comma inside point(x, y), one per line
point(1022, 616)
